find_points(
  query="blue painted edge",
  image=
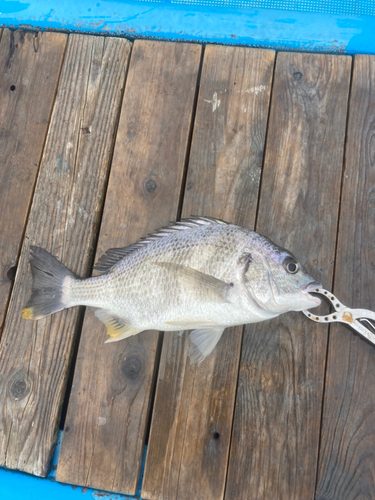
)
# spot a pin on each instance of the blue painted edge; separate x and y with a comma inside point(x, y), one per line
point(271, 28)
point(18, 485)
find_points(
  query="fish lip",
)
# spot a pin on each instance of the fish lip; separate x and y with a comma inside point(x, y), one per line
point(313, 286)
point(310, 287)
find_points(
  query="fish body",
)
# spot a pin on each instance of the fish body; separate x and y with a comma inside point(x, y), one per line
point(200, 274)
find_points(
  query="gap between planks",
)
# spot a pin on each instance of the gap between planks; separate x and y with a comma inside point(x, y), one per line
point(147, 171)
point(191, 424)
point(346, 462)
point(277, 416)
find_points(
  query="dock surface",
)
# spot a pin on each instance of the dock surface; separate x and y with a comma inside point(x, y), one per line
point(102, 141)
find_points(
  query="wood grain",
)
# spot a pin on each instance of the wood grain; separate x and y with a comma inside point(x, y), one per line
point(64, 217)
point(278, 408)
point(347, 454)
point(192, 419)
point(108, 410)
point(29, 71)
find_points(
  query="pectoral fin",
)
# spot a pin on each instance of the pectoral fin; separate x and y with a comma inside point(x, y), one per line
point(203, 342)
point(202, 286)
point(116, 328)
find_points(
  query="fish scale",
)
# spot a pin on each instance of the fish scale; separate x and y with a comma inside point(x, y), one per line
point(200, 274)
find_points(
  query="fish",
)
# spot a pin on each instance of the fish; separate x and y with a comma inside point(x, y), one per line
point(200, 274)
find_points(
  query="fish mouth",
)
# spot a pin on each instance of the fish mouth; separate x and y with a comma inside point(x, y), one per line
point(313, 286)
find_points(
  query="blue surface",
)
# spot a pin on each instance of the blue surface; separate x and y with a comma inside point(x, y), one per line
point(19, 486)
point(316, 25)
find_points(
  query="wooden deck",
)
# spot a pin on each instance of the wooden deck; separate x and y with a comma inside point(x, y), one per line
point(103, 141)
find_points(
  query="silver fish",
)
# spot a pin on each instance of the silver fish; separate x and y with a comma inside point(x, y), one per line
point(201, 274)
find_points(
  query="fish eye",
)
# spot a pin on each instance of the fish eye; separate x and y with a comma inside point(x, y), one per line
point(290, 265)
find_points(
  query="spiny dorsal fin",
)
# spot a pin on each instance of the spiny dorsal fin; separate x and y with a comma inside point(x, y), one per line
point(114, 255)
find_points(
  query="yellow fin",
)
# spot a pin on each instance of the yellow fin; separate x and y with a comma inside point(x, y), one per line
point(116, 327)
point(122, 333)
point(28, 313)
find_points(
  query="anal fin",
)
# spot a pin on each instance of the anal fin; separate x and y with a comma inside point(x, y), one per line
point(116, 327)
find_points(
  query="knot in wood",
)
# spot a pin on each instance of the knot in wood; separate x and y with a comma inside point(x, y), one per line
point(150, 186)
point(19, 389)
point(11, 273)
point(19, 385)
point(132, 367)
point(297, 75)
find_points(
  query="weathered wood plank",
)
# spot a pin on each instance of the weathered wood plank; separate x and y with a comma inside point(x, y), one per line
point(347, 456)
point(64, 216)
point(191, 425)
point(278, 408)
point(108, 409)
point(29, 71)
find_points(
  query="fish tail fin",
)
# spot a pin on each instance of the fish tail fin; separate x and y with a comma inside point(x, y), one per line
point(50, 292)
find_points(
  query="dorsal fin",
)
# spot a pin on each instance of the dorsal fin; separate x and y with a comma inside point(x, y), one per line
point(114, 255)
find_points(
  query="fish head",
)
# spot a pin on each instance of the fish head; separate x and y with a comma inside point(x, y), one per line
point(277, 282)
